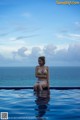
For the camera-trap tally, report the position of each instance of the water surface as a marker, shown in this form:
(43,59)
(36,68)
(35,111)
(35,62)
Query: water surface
(48,105)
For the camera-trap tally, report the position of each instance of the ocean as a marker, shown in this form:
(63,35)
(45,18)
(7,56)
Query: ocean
(25,76)
(51,105)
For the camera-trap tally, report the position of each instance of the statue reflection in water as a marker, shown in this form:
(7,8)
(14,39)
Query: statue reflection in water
(42,100)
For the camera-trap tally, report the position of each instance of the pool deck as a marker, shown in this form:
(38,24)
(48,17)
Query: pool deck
(30,87)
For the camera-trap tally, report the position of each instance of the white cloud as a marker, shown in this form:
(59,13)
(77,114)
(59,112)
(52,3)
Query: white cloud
(34,53)
(74,52)
(8,47)
(21,52)
(66,55)
(17,38)
(75,36)
(22,37)
(69,36)
(50,49)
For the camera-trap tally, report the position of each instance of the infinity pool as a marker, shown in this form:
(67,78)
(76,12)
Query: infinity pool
(24,104)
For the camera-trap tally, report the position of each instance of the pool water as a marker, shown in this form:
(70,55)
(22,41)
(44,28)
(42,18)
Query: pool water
(25,104)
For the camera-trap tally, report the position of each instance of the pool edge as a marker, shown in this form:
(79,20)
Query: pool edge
(30,87)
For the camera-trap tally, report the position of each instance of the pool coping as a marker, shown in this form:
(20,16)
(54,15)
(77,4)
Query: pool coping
(30,87)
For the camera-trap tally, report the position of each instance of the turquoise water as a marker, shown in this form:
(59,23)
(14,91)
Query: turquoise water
(53,105)
(25,76)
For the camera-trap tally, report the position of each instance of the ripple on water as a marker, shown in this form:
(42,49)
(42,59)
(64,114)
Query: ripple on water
(62,104)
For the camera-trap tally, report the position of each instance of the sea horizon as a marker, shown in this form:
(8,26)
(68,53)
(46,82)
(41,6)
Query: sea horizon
(59,76)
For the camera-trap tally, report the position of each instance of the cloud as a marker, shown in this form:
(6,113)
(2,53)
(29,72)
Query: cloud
(69,36)
(73,36)
(69,55)
(73,53)
(72,33)
(24,56)
(22,37)
(22,51)
(35,52)
(54,54)
(49,50)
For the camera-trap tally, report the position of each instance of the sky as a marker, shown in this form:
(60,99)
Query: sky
(33,28)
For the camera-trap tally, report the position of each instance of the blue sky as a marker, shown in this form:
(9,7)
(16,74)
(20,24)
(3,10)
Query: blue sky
(32,28)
